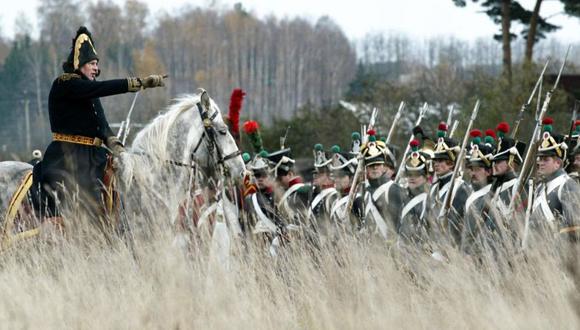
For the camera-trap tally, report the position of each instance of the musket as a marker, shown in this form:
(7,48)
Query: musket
(453,128)
(124,130)
(395,120)
(417,123)
(446,207)
(528,215)
(360,164)
(539,100)
(525,106)
(283,138)
(533,145)
(450,115)
(573,120)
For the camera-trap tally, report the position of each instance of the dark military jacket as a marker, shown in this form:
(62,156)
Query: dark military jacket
(453,226)
(260,209)
(74,106)
(502,191)
(414,226)
(384,200)
(479,226)
(354,221)
(294,202)
(556,201)
(320,207)
(75,109)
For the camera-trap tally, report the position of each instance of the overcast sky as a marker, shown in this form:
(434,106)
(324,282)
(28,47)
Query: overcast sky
(417,18)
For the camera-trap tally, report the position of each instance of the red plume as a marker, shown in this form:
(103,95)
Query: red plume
(371,132)
(475,133)
(577,123)
(235,108)
(490,132)
(442,126)
(547,121)
(251,127)
(503,127)
(415,143)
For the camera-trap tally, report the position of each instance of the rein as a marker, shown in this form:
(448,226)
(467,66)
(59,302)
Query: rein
(210,132)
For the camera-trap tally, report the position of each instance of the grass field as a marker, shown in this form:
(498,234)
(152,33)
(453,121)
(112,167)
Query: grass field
(81,282)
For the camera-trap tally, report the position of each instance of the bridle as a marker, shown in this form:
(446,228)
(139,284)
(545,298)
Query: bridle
(210,134)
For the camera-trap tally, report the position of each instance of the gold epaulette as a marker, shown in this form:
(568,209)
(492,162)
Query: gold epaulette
(68,76)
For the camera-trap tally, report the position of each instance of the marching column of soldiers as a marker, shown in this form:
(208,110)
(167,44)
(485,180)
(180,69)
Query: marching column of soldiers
(483,206)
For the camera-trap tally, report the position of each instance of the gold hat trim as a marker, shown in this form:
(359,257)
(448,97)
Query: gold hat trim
(77,52)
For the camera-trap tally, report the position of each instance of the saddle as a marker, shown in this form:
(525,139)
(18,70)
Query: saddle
(29,202)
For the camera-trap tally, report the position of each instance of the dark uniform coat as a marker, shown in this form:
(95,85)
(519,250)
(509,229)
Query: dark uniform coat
(414,226)
(556,204)
(260,209)
(384,200)
(75,109)
(479,225)
(437,195)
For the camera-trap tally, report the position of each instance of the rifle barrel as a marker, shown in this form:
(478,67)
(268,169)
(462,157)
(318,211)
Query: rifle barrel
(395,120)
(533,145)
(417,123)
(444,211)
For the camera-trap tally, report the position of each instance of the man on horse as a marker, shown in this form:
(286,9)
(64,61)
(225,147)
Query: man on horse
(83,143)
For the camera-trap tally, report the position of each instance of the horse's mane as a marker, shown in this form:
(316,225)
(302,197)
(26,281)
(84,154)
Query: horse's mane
(152,139)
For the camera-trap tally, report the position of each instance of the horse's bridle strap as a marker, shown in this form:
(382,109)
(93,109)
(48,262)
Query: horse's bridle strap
(230,156)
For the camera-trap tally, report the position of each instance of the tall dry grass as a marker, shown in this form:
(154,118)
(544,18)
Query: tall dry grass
(83,281)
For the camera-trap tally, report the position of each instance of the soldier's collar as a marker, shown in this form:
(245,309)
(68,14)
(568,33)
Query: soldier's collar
(557,173)
(375,183)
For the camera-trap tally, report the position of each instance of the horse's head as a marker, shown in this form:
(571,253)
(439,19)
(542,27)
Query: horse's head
(192,130)
(215,146)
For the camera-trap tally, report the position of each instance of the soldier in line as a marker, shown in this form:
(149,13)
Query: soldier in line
(414,227)
(479,225)
(343,168)
(260,210)
(444,160)
(506,158)
(293,202)
(324,192)
(573,167)
(557,195)
(384,199)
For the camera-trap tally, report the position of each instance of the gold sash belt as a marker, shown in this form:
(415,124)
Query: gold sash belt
(78,139)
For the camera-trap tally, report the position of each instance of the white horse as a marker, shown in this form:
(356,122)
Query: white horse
(159,168)
(169,155)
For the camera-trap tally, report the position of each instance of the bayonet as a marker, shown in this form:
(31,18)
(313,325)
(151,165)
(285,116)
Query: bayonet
(533,147)
(124,130)
(422,114)
(395,121)
(283,138)
(450,115)
(446,207)
(453,128)
(525,106)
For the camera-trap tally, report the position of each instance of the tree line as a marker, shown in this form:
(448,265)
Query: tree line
(293,70)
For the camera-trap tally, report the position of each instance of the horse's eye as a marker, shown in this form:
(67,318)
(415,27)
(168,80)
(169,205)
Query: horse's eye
(223,130)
